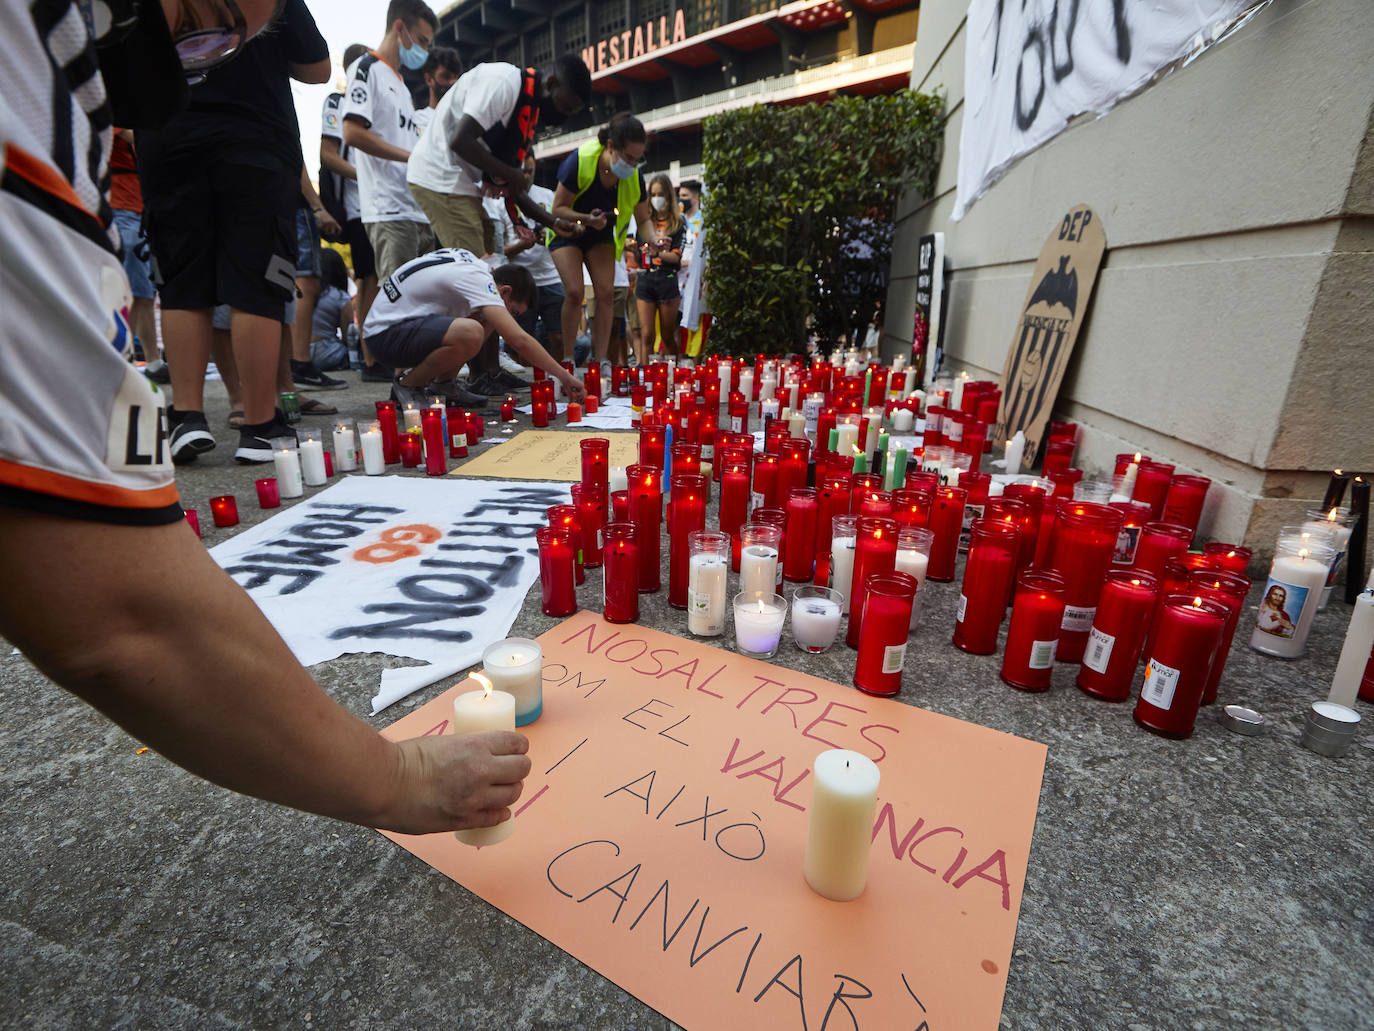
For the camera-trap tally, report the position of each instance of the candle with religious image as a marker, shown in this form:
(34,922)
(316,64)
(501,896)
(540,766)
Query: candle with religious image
(1291,595)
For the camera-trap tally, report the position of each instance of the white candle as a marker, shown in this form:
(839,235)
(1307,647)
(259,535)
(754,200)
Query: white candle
(914,563)
(898,363)
(1013,454)
(1340,530)
(373,462)
(903,420)
(723,374)
(768,408)
(910,384)
(848,438)
(758,623)
(706,595)
(345,450)
(793,393)
(617,478)
(851,367)
(815,622)
(1359,643)
(1289,604)
(958,397)
(796,424)
(746,383)
(844,800)
(288,466)
(758,570)
(412,417)
(875,427)
(516,666)
(473,713)
(842,567)
(312,462)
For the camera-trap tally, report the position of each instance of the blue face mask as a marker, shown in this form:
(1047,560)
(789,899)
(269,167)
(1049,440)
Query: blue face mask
(621,169)
(414,56)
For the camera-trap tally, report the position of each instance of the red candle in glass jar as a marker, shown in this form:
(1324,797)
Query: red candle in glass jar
(224,510)
(457,427)
(391,441)
(268,494)
(1134,516)
(621,581)
(619,380)
(886,618)
(803,512)
(596,459)
(1033,636)
(1058,456)
(592,380)
(1152,484)
(590,501)
(946,522)
(765,481)
(793,455)
(977,485)
(825,422)
(1231,590)
(832,500)
(539,412)
(988,573)
(687,511)
(686,459)
(911,507)
(193,518)
(646,511)
(1158,543)
(875,551)
(477,425)
(921,479)
(1033,497)
(432,431)
(1233,558)
(738,411)
(620,506)
(1064,481)
(558,596)
(566,516)
(411,450)
(934,434)
(734,491)
(1085,540)
(1184,500)
(1124,608)
(652,441)
(508,409)
(1185,646)
(861,484)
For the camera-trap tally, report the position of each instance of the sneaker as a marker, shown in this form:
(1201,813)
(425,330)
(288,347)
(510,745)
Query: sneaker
(190,436)
(508,380)
(510,366)
(456,395)
(307,376)
(158,372)
(486,383)
(255,442)
(377,373)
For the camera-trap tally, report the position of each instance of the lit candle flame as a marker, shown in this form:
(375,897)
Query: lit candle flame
(1136,458)
(487,685)
(1302,552)
(1331,516)
(1197,603)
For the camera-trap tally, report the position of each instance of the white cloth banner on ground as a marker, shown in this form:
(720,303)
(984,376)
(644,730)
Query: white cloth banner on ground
(430,569)
(1030,67)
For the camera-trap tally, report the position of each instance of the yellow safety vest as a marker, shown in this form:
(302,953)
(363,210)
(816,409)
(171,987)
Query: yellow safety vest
(628,193)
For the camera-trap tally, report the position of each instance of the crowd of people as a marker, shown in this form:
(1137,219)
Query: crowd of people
(217,214)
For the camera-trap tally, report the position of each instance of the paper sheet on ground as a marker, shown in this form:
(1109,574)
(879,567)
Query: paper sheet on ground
(430,569)
(661,834)
(614,418)
(547,455)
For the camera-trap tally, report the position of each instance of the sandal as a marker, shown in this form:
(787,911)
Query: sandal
(236,418)
(310,406)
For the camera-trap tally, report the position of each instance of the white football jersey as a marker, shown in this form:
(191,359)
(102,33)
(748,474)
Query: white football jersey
(449,282)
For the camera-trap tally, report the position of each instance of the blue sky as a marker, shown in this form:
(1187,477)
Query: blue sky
(341,22)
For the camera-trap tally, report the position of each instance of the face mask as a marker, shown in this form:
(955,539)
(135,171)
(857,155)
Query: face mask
(621,169)
(549,113)
(687,205)
(659,203)
(414,56)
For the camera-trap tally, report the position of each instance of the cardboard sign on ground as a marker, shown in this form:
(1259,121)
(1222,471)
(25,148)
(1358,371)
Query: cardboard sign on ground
(1048,328)
(662,829)
(547,455)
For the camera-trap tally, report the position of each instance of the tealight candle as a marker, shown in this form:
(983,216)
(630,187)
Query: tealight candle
(758,623)
(346,448)
(288,467)
(516,666)
(473,713)
(224,510)
(844,799)
(815,618)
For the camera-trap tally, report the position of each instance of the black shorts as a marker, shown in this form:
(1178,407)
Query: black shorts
(586,241)
(408,343)
(657,287)
(221,233)
(364,261)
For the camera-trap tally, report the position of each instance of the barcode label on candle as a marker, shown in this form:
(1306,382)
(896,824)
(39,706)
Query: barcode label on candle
(736,424)
(1077,618)
(755,501)
(894,658)
(1042,654)
(1099,651)
(963,607)
(1160,682)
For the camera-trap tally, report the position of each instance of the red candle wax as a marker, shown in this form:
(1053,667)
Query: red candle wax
(620,506)
(590,501)
(592,380)
(652,441)
(411,451)
(1230,589)
(508,410)
(596,461)
(765,493)
(269,496)
(921,479)
(803,512)
(1033,637)
(386,419)
(738,411)
(558,596)
(574,413)
(734,492)
(477,425)
(1233,558)
(687,507)
(875,551)
(432,430)
(1184,500)
(1152,484)
(1085,540)
(911,507)
(646,511)
(946,522)
(224,510)
(1158,543)
(328,464)
(886,617)
(832,499)
(539,412)
(620,557)
(1180,660)
(993,547)
(686,459)
(1058,456)
(566,516)
(793,456)
(1033,497)
(1118,633)
(193,518)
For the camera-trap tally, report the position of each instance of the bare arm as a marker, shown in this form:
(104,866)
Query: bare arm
(358,136)
(331,159)
(562,208)
(497,318)
(225,698)
(315,73)
(466,142)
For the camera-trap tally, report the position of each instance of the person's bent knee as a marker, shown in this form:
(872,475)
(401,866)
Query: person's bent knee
(464,338)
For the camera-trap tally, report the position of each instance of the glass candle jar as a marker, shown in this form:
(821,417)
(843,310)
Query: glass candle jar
(911,506)
(1234,558)
(799,557)
(620,558)
(734,490)
(765,491)
(946,522)
(793,456)
(758,623)
(913,559)
(1184,500)
(774,517)
(652,443)
(832,498)
(1032,638)
(566,515)
(709,566)
(268,495)
(687,515)
(540,411)
(1124,609)
(1185,646)
(921,479)
(1231,590)
(224,510)
(815,618)
(988,573)
(372,449)
(1058,456)
(620,506)
(596,459)
(1033,497)
(646,512)
(844,532)
(977,485)
(685,458)
(1134,516)
(1159,542)
(436,447)
(1290,599)
(557,550)
(412,449)
(391,438)
(758,565)
(590,501)
(876,503)
(875,552)
(1152,485)
(886,617)
(1085,540)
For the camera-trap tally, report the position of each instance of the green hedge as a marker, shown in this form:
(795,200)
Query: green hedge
(789,190)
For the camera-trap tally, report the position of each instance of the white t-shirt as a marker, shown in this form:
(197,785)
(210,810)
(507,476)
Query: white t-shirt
(423,116)
(331,127)
(376,97)
(444,282)
(487,94)
(537,258)
(495,207)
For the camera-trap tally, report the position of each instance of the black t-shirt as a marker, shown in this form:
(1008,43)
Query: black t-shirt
(651,263)
(598,195)
(244,109)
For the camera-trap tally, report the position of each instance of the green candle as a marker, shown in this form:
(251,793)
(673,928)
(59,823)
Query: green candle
(834,440)
(860,462)
(898,468)
(868,385)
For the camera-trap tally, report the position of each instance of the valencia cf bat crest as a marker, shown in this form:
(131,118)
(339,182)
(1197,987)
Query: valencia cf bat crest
(1058,286)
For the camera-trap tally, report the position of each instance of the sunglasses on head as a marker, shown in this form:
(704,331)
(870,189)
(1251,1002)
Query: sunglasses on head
(206,49)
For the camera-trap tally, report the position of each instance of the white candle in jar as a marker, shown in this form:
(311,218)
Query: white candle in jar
(957,400)
(875,427)
(746,383)
(1340,529)
(312,462)
(768,409)
(915,564)
(706,594)
(842,567)
(617,480)
(1359,642)
(288,466)
(758,570)
(844,800)
(796,424)
(903,420)
(412,417)
(1013,454)
(815,622)
(516,666)
(374,464)
(1289,604)
(473,713)
(345,449)
(793,387)
(848,437)
(851,367)
(910,383)
(758,623)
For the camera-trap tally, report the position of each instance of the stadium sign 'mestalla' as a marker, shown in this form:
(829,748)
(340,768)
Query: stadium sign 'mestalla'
(642,39)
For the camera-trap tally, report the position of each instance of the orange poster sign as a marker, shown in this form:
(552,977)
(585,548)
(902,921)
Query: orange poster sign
(661,834)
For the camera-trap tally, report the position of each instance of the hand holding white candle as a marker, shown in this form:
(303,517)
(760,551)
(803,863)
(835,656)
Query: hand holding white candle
(474,712)
(844,799)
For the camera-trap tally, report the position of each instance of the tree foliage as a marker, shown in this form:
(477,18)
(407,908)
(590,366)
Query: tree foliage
(799,213)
